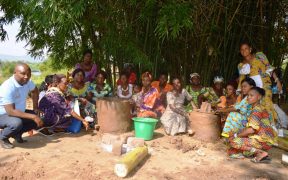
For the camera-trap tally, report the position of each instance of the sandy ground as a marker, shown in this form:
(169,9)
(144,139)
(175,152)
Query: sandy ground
(80,156)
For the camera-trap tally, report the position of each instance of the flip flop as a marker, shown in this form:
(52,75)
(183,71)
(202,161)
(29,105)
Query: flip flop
(265,160)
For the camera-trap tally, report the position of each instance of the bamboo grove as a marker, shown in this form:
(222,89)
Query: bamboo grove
(175,36)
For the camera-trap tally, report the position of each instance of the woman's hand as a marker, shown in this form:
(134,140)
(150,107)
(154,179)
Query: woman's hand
(86,125)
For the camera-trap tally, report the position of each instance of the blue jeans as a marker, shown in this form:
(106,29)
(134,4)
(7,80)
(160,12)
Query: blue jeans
(14,126)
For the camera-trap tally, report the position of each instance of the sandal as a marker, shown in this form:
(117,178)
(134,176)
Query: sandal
(265,160)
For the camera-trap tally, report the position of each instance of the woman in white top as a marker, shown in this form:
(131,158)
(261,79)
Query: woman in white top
(125,90)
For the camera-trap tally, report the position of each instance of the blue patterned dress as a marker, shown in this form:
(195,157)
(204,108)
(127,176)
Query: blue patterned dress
(237,120)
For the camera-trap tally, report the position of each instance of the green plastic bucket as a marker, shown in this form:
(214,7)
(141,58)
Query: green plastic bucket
(144,127)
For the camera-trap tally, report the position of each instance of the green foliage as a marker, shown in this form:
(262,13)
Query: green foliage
(6,70)
(46,68)
(174,35)
(173,17)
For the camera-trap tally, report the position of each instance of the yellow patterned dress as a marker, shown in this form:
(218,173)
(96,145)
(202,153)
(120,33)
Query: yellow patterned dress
(258,67)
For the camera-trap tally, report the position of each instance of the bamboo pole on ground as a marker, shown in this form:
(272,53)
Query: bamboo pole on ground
(130,161)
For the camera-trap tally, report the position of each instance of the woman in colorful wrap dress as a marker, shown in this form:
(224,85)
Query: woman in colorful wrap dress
(78,90)
(148,98)
(57,111)
(100,89)
(258,135)
(257,67)
(237,117)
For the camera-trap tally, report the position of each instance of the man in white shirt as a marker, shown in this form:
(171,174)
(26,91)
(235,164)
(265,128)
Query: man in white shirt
(14,120)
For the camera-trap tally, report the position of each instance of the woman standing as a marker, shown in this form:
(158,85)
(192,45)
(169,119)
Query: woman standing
(237,117)
(257,66)
(88,66)
(175,120)
(258,136)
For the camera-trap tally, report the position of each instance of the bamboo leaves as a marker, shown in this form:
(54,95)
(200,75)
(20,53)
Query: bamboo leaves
(173,17)
(177,36)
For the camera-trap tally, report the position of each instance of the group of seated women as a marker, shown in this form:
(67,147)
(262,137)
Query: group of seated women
(247,119)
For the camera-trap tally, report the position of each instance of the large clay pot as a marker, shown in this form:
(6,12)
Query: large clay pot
(207,126)
(113,115)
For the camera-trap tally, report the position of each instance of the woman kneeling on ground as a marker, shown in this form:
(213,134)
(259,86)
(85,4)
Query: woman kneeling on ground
(175,120)
(57,111)
(258,136)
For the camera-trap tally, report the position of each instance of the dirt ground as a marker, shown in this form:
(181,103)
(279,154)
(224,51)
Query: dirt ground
(80,156)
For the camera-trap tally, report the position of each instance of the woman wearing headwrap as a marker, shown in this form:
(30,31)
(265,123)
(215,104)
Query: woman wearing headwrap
(148,97)
(194,89)
(212,95)
(57,112)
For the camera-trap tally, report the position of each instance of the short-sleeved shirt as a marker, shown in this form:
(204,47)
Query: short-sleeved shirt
(11,92)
